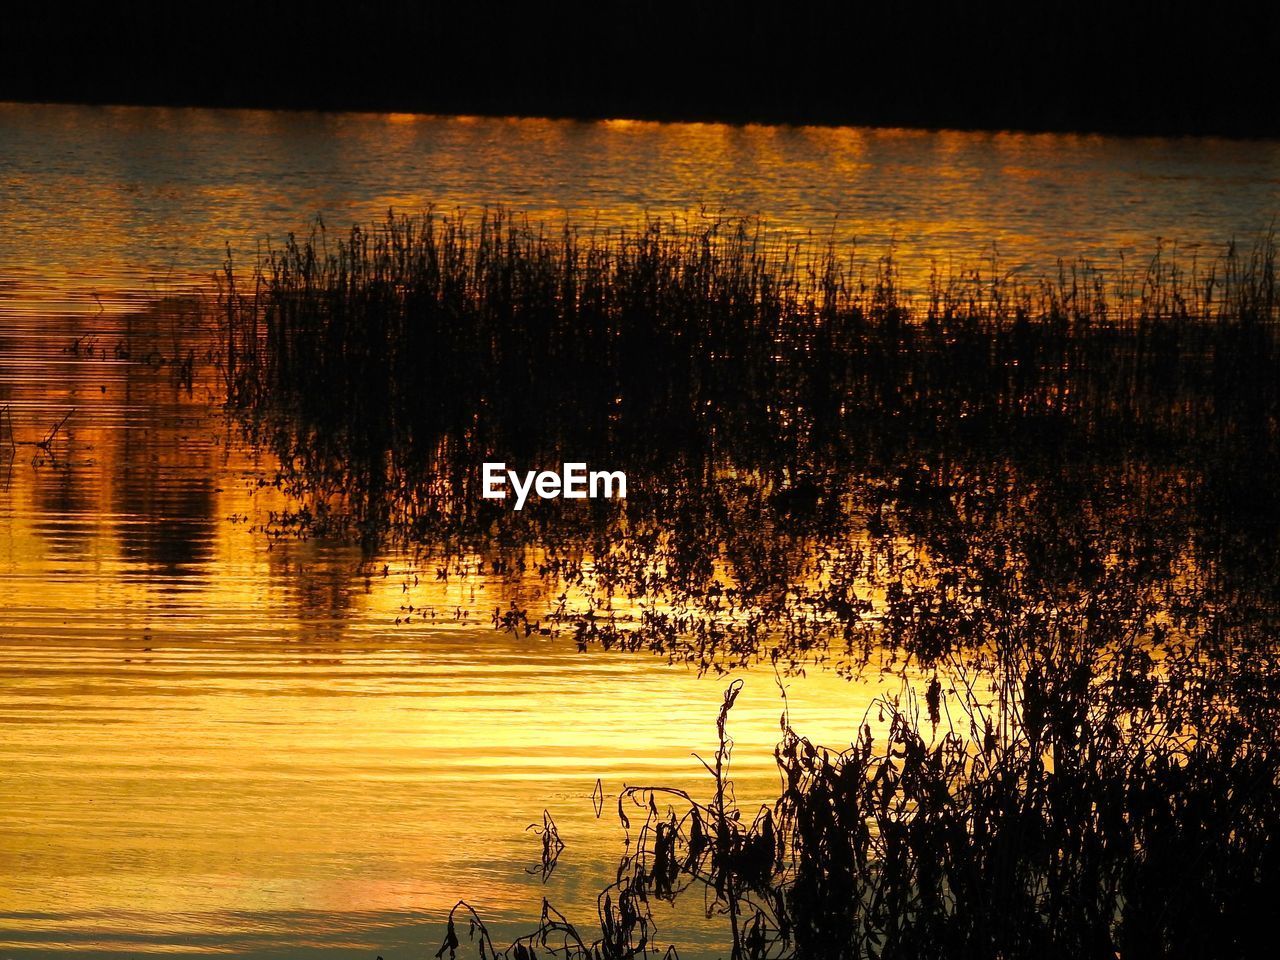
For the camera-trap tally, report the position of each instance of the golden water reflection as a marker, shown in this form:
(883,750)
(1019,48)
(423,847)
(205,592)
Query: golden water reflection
(214,742)
(149,198)
(217,742)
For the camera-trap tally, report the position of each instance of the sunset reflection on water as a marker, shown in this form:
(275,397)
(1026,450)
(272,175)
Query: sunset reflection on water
(217,740)
(149,198)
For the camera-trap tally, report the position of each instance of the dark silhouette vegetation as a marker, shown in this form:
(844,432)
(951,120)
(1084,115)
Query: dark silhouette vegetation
(1062,815)
(1049,504)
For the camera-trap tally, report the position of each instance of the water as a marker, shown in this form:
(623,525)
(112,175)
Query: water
(216,742)
(100,199)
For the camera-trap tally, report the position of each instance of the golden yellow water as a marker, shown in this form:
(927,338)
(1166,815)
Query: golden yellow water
(213,742)
(119,202)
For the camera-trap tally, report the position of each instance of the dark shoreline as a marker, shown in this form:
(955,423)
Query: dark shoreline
(674,118)
(1055,67)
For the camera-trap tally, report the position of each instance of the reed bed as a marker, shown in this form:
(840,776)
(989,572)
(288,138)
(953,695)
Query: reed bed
(597,330)
(1074,814)
(1055,498)
(780,406)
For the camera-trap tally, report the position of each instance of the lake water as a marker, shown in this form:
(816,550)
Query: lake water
(217,742)
(100,199)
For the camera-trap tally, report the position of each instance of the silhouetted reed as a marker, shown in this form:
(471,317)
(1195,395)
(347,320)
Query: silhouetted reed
(1055,499)
(779,406)
(1077,807)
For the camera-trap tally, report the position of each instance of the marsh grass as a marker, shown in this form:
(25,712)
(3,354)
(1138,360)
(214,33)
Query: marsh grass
(794,424)
(419,323)
(1082,807)
(1055,498)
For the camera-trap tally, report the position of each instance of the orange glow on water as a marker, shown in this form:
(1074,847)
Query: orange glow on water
(211,737)
(214,739)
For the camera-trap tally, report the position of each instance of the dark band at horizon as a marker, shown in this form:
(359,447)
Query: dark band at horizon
(1053,65)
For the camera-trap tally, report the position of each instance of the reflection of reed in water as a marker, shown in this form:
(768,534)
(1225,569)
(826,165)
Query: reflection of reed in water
(1057,497)
(762,396)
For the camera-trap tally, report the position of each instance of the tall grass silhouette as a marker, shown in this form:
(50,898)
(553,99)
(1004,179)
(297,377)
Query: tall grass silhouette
(1054,499)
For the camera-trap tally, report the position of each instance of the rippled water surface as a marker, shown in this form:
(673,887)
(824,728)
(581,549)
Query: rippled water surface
(96,199)
(217,742)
